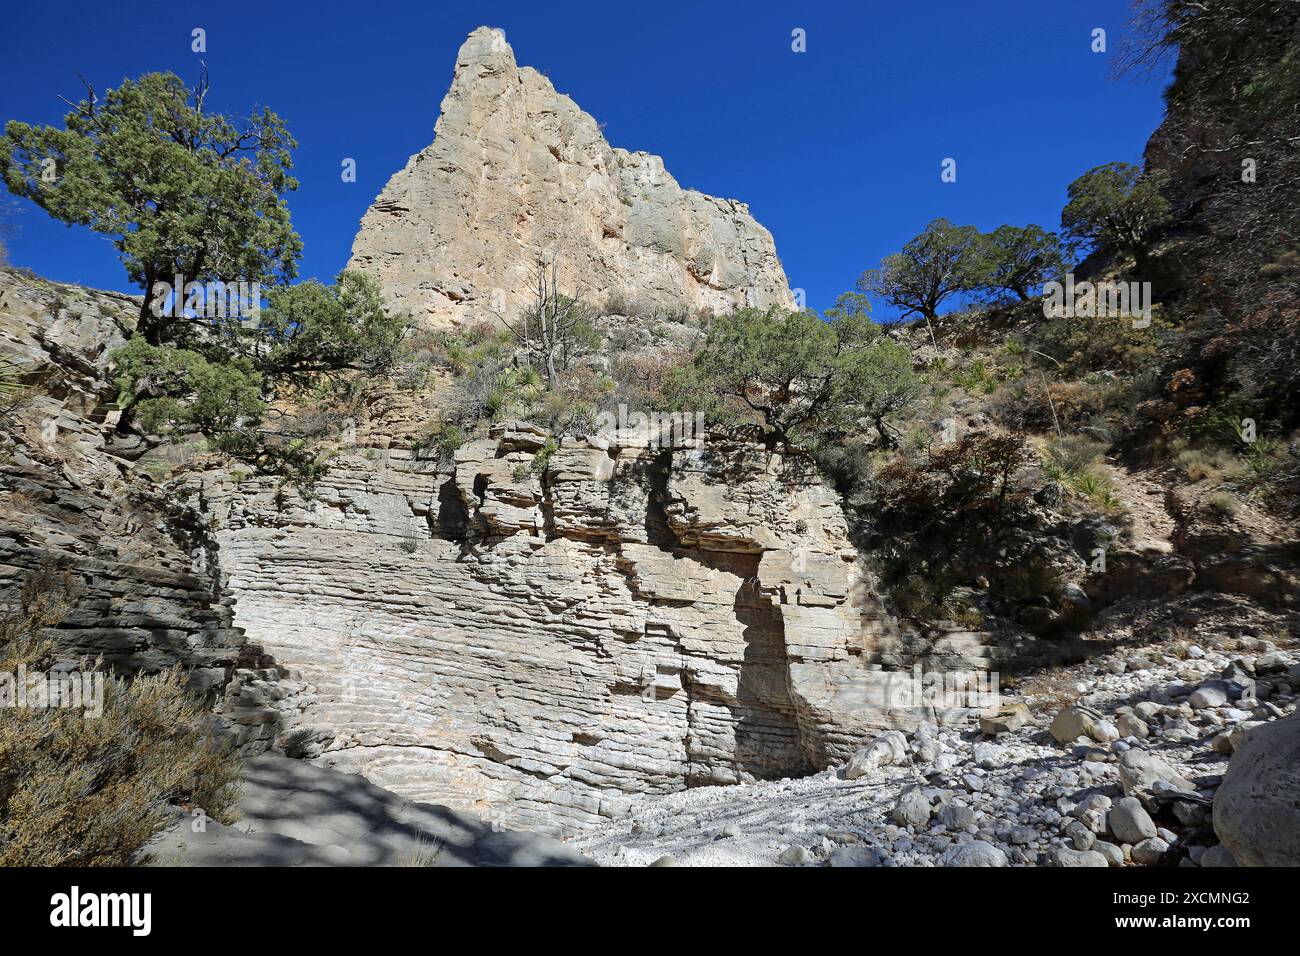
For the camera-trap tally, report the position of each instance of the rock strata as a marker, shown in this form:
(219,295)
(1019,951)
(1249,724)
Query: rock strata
(141,573)
(549,645)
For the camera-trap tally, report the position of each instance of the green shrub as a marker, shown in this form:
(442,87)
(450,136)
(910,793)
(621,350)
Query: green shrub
(443,440)
(540,460)
(976,377)
(1200,463)
(1220,423)
(1074,462)
(466,348)
(933,595)
(1269,472)
(929,517)
(1222,503)
(1083,344)
(1074,453)
(797,376)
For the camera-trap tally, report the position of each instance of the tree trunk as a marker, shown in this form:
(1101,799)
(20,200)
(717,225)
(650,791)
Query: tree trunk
(146,323)
(930,329)
(886,439)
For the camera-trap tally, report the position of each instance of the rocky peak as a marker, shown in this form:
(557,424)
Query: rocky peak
(518,171)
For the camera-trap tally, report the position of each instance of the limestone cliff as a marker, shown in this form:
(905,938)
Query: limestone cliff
(517,170)
(633,620)
(645,613)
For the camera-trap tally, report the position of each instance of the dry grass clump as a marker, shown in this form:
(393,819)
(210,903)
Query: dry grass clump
(1203,464)
(1049,690)
(1075,461)
(84,790)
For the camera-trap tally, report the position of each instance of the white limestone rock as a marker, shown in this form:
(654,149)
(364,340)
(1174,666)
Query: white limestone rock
(517,170)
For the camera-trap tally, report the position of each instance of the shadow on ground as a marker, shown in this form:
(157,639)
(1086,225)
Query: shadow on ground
(292,813)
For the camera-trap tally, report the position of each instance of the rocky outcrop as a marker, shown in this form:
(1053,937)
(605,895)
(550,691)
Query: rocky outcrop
(517,171)
(141,573)
(544,643)
(539,631)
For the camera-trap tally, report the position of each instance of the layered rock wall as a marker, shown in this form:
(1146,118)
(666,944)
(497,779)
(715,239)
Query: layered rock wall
(545,643)
(136,567)
(538,631)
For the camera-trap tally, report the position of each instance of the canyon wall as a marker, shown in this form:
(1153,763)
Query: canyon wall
(542,647)
(536,638)
(133,562)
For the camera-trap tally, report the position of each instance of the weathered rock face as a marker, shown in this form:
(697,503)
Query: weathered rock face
(144,586)
(538,633)
(516,171)
(544,647)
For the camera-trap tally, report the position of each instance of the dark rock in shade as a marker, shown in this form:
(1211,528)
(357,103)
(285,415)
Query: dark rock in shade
(857,856)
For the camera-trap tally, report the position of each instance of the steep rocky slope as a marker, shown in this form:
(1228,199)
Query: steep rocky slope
(583,645)
(146,588)
(516,171)
(646,613)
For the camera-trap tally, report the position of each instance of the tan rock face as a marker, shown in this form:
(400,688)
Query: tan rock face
(540,631)
(544,645)
(517,170)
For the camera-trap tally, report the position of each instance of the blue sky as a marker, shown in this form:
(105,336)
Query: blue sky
(837,150)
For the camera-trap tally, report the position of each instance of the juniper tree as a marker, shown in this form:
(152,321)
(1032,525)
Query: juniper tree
(184,191)
(803,378)
(190,195)
(1019,259)
(941,262)
(311,339)
(1114,207)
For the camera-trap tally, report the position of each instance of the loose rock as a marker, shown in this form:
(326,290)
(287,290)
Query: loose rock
(1129,821)
(976,853)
